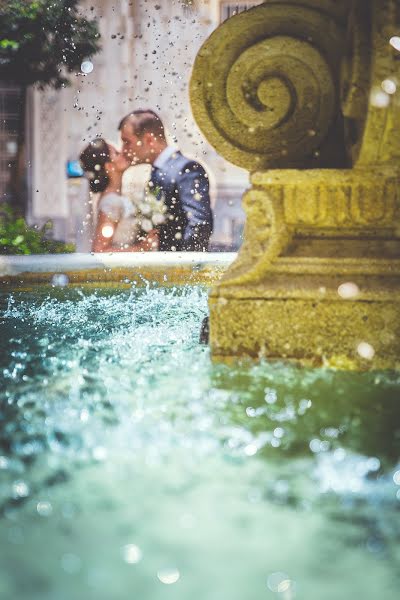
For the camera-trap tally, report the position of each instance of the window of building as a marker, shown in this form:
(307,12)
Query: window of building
(9,122)
(229,9)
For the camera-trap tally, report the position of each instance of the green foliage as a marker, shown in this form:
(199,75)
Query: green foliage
(41,42)
(16,237)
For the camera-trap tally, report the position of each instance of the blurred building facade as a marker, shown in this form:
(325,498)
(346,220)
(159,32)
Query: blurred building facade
(148,48)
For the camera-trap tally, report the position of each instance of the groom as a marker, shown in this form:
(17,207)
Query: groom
(183,182)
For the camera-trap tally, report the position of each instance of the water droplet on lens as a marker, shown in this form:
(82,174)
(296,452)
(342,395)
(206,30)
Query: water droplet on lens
(59,280)
(250,450)
(348,290)
(132,554)
(279,582)
(44,508)
(365,350)
(20,489)
(168,576)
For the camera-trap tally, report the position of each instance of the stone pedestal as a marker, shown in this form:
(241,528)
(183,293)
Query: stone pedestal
(304,95)
(318,276)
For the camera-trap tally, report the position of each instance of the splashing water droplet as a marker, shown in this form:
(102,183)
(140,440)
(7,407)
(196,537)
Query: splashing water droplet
(395,42)
(87,67)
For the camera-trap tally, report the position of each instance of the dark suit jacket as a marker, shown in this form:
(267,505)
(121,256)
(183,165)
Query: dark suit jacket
(184,188)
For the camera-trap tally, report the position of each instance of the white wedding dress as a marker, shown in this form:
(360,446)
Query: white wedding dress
(136,211)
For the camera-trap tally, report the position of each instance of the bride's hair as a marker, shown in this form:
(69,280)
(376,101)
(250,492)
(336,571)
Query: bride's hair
(93,160)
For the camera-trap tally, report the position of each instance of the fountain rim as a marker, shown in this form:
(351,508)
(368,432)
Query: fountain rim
(120,268)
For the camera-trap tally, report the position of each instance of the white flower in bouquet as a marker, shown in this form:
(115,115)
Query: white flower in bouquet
(153,205)
(147,225)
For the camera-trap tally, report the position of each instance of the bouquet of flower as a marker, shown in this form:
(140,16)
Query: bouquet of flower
(150,210)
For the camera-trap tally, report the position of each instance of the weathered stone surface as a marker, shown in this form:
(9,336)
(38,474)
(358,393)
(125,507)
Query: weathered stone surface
(321,332)
(308,234)
(372,118)
(353,213)
(318,276)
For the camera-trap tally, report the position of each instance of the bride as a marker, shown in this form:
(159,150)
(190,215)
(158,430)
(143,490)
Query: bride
(122,226)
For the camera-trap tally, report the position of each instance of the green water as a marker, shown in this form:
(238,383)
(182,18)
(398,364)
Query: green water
(131,467)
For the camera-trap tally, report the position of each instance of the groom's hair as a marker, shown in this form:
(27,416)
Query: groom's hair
(144,121)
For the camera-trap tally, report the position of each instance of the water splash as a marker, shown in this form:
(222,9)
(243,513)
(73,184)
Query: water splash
(113,382)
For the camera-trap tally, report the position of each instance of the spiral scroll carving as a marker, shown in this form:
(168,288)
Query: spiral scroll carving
(264,88)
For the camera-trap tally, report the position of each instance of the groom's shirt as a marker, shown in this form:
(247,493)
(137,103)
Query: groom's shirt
(184,187)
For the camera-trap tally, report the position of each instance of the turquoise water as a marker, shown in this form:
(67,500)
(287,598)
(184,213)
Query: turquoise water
(131,466)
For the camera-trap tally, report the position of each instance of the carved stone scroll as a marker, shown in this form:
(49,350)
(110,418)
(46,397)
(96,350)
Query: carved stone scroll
(265,85)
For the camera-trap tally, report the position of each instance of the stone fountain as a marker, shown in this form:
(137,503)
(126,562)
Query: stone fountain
(303,95)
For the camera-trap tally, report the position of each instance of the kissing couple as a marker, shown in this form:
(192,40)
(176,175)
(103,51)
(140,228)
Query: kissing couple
(174,213)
